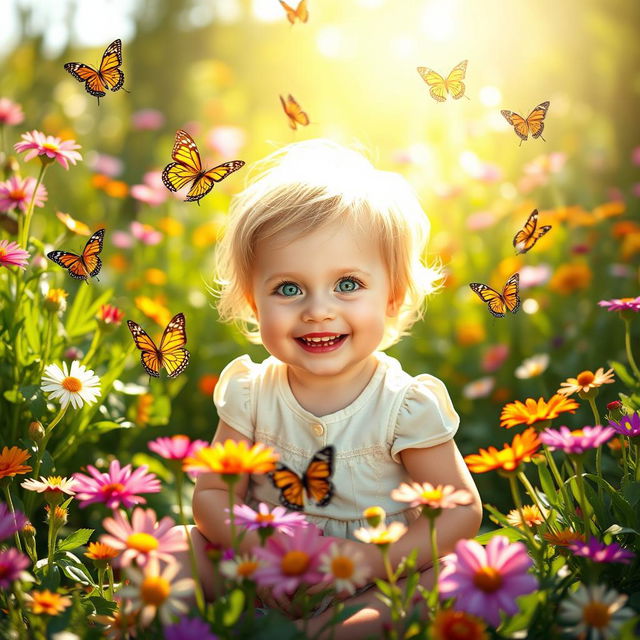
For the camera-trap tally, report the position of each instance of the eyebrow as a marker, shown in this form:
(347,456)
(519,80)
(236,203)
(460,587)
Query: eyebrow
(336,272)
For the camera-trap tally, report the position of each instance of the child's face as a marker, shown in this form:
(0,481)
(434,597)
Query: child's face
(330,283)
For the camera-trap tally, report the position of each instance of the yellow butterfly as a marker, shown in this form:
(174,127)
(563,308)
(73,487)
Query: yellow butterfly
(299,13)
(533,124)
(439,86)
(497,303)
(187,167)
(529,234)
(294,112)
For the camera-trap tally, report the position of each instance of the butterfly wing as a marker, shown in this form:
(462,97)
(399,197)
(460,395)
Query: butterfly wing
(82,266)
(302,12)
(529,234)
(495,302)
(510,293)
(290,485)
(291,12)
(518,123)
(294,112)
(454,83)
(535,120)
(437,84)
(186,167)
(90,258)
(172,354)
(204,183)
(84,73)
(70,261)
(112,76)
(317,477)
(149,356)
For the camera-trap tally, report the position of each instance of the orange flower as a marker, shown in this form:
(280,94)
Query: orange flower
(563,538)
(624,227)
(118,263)
(154,309)
(75,226)
(100,551)
(571,277)
(143,409)
(531,516)
(609,209)
(586,381)
(630,245)
(524,445)
(47,602)
(531,411)
(469,333)
(232,458)
(155,276)
(207,234)
(207,383)
(116,189)
(11,462)
(457,625)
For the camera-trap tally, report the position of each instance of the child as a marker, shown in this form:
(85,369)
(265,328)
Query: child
(321,263)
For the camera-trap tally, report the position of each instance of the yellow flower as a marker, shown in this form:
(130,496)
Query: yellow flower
(155,276)
(116,189)
(11,462)
(531,411)
(154,309)
(586,381)
(171,226)
(381,535)
(75,226)
(56,300)
(609,210)
(232,458)
(207,234)
(571,277)
(47,602)
(531,515)
(470,333)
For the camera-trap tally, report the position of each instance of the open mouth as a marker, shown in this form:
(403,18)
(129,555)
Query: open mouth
(324,343)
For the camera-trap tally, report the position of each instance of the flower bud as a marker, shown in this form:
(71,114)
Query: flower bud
(55,300)
(11,166)
(36,431)
(374,516)
(60,515)
(109,317)
(615,411)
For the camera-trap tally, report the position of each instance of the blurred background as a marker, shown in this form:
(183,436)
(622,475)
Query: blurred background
(217,67)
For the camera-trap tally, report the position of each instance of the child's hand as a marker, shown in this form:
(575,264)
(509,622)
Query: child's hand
(283,603)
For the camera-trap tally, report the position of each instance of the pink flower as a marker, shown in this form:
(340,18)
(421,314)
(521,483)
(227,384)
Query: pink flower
(621,304)
(11,255)
(145,233)
(534,275)
(577,441)
(147,120)
(226,140)
(289,561)
(479,388)
(16,193)
(10,112)
(121,240)
(12,563)
(116,488)
(601,552)
(480,220)
(10,522)
(487,580)
(143,538)
(440,497)
(635,156)
(494,357)
(176,447)
(35,143)
(105,164)
(152,191)
(278,519)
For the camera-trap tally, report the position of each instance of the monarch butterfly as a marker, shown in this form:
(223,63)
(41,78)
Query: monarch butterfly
(299,13)
(533,124)
(294,112)
(188,168)
(497,303)
(529,234)
(438,86)
(107,76)
(171,354)
(83,266)
(315,481)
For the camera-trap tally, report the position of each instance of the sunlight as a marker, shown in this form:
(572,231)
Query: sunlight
(438,20)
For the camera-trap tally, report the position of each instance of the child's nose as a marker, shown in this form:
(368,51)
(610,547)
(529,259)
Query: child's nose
(318,309)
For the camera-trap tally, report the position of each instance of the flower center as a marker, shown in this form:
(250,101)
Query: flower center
(342,567)
(246,569)
(488,579)
(585,378)
(72,384)
(265,517)
(295,563)
(431,496)
(114,487)
(17,195)
(577,433)
(50,146)
(143,542)
(462,630)
(155,590)
(596,614)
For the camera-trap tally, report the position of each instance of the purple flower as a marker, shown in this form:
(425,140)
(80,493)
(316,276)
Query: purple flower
(577,441)
(621,304)
(189,629)
(9,522)
(278,519)
(601,552)
(12,563)
(628,425)
(487,580)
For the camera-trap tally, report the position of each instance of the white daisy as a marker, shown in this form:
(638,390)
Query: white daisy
(77,386)
(533,366)
(51,484)
(594,612)
(382,534)
(239,568)
(345,569)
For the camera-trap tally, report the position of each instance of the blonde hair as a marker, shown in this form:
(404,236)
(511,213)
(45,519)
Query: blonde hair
(309,184)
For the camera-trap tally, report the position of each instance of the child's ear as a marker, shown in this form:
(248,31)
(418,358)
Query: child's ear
(252,303)
(393,306)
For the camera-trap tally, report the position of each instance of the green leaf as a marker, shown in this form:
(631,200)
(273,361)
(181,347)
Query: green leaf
(384,587)
(109,425)
(155,466)
(527,606)
(102,606)
(616,529)
(234,604)
(510,533)
(631,493)
(625,377)
(75,540)
(73,568)
(546,482)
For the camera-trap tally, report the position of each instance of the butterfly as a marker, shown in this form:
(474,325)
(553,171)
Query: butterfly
(315,481)
(529,234)
(107,76)
(294,112)
(188,168)
(299,13)
(533,125)
(438,86)
(171,354)
(87,264)
(497,303)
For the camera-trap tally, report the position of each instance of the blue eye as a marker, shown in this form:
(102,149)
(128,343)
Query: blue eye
(288,289)
(348,284)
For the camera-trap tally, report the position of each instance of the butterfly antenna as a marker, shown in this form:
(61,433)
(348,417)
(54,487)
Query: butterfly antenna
(542,138)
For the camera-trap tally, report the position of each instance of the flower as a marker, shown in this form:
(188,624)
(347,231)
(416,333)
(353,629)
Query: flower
(100,552)
(152,191)
(534,275)
(240,567)
(145,233)
(10,112)
(601,552)
(277,520)
(487,580)
(586,381)
(531,411)
(55,301)
(176,447)
(533,366)
(621,304)
(436,497)
(381,535)
(121,623)
(570,277)
(509,458)
(479,388)
(207,384)
(226,140)
(12,563)
(155,592)
(344,568)
(578,440)
(16,193)
(449,624)
(147,119)
(116,488)
(628,425)
(494,357)
(46,602)
(11,462)
(75,226)
(374,515)
(109,315)
(143,538)
(562,538)
(232,458)
(189,629)
(11,255)
(53,149)
(288,561)
(531,516)
(10,522)
(154,310)
(76,385)
(53,487)
(596,609)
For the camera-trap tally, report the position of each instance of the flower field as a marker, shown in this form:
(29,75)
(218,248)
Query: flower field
(98,457)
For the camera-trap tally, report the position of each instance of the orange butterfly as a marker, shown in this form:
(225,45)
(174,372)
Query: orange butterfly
(534,123)
(83,266)
(439,86)
(171,353)
(529,234)
(107,76)
(497,303)
(300,13)
(294,112)
(315,481)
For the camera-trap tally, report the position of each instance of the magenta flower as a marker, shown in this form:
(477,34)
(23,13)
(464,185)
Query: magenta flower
(601,552)
(189,629)
(143,538)
(121,240)
(226,140)
(145,233)
(628,425)
(152,190)
(289,561)
(116,488)
(577,441)
(278,519)
(12,563)
(11,255)
(35,143)
(621,304)
(487,580)
(147,120)
(176,447)
(10,112)
(10,522)
(16,193)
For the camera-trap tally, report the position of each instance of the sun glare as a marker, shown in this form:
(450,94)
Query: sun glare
(438,20)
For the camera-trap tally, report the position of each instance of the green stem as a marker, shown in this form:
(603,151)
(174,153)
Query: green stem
(7,495)
(436,561)
(50,539)
(92,348)
(637,462)
(558,478)
(101,571)
(533,495)
(24,230)
(627,343)
(623,452)
(395,604)
(110,575)
(582,499)
(596,417)
(47,344)
(515,493)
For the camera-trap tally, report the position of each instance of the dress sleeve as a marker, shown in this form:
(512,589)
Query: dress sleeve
(426,416)
(232,395)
